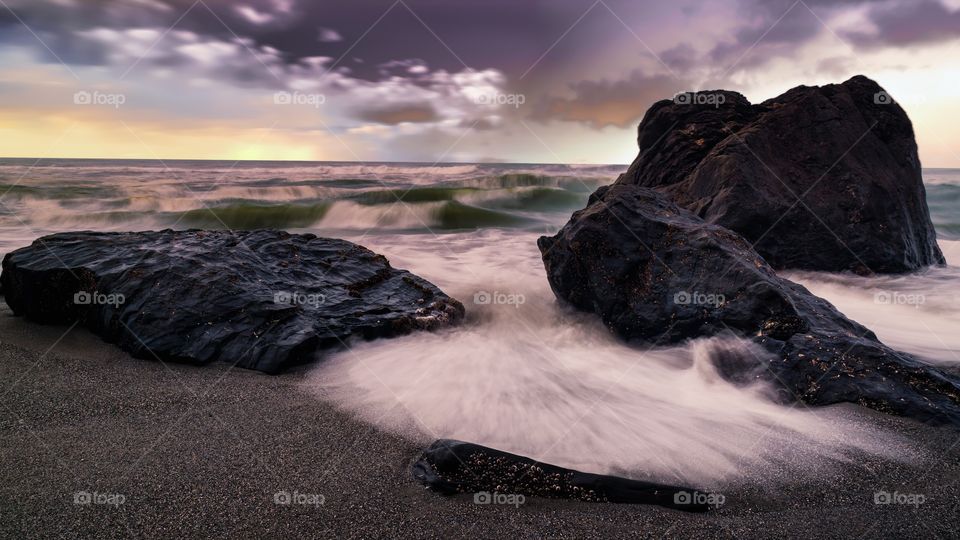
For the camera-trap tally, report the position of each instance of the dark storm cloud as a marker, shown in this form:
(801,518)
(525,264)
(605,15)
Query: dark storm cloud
(415,113)
(909,24)
(771,29)
(766,30)
(611,103)
(64,27)
(837,66)
(777,27)
(680,58)
(503,34)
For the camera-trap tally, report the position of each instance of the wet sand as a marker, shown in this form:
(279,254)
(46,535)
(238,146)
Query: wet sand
(202,452)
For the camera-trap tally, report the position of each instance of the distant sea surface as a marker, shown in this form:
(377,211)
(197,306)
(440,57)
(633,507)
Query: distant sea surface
(518,375)
(333,198)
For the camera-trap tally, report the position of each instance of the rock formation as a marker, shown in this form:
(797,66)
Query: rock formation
(819,178)
(451,467)
(262,300)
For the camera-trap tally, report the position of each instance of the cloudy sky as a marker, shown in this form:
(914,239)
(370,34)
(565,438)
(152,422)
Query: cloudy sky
(439,80)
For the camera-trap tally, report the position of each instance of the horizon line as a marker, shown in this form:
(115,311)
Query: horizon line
(161,160)
(352,161)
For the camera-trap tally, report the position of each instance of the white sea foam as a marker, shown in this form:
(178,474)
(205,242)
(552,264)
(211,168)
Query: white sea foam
(917,313)
(536,380)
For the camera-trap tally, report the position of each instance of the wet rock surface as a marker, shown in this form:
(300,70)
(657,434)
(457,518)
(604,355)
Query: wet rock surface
(263,300)
(657,273)
(846,151)
(453,467)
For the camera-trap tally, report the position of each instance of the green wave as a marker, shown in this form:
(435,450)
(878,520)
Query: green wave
(521,180)
(244,216)
(353,183)
(118,216)
(455,215)
(14,190)
(541,199)
(950,231)
(56,192)
(582,185)
(538,198)
(944,203)
(415,195)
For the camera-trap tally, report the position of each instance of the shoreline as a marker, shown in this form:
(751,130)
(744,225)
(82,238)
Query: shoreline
(202,451)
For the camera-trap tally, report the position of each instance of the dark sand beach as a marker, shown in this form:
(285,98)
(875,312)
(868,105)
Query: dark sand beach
(201,452)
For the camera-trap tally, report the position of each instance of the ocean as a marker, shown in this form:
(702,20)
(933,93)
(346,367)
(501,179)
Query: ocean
(332,198)
(523,374)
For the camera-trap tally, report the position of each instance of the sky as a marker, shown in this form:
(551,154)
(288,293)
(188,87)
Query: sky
(531,81)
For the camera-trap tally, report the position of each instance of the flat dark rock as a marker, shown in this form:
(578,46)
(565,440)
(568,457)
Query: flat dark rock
(820,178)
(657,273)
(262,300)
(452,467)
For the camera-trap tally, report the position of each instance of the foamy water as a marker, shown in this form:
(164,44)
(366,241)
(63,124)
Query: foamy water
(917,313)
(535,379)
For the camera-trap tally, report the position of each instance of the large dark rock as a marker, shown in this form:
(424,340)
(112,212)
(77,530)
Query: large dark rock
(657,273)
(452,467)
(846,151)
(263,300)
